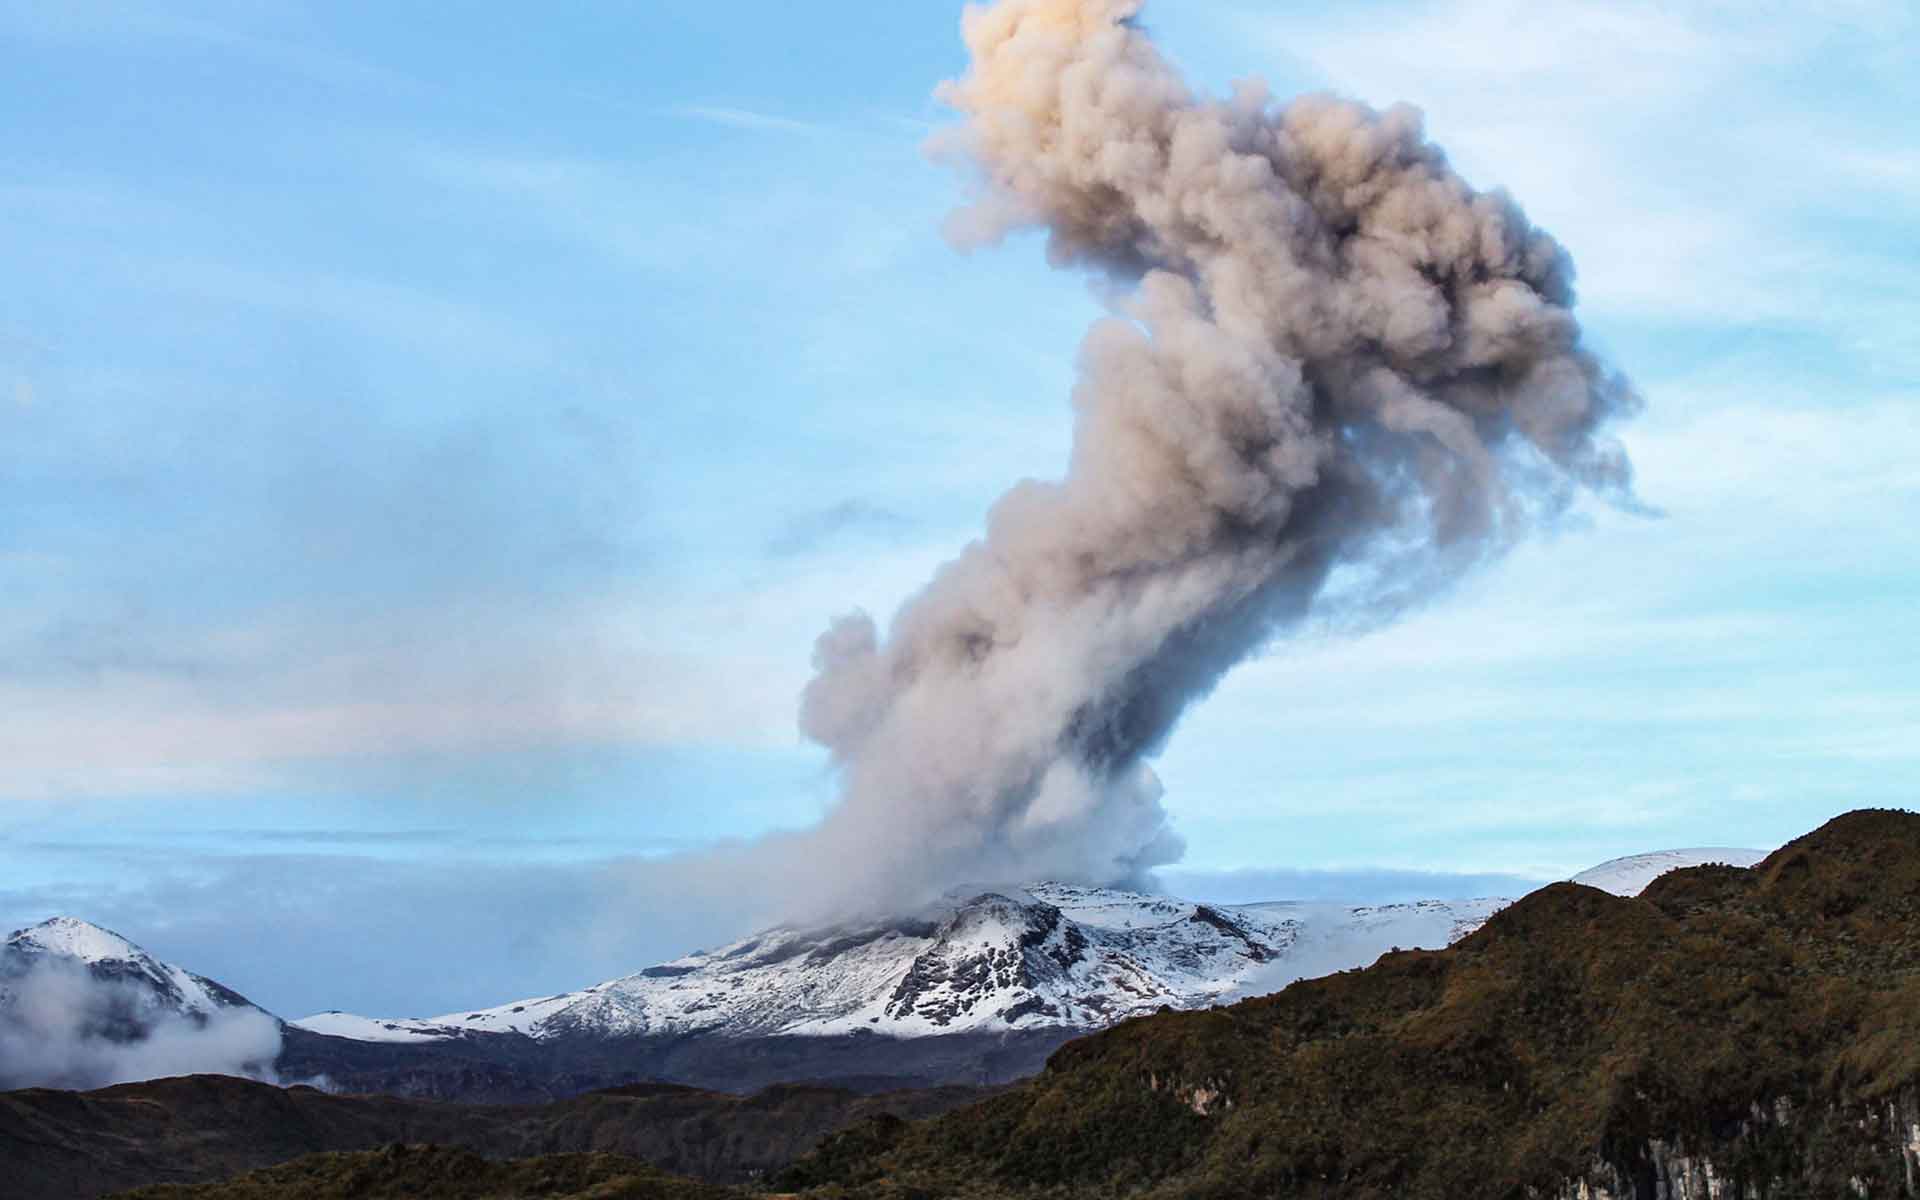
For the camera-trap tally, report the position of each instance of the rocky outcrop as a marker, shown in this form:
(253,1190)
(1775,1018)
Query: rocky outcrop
(1202,1098)
(1870,1151)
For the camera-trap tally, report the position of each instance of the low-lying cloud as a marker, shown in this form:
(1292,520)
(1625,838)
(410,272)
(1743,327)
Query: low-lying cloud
(62,1027)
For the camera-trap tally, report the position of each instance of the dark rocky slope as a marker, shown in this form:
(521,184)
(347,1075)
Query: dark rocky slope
(511,1069)
(1735,1033)
(439,1173)
(64,1145)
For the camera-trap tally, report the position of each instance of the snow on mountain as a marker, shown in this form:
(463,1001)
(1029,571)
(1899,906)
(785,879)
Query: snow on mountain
(368,1029)
(108,957)
(82,1007)
(1630,876)
(1051,956)
(75,939)
(1048,956)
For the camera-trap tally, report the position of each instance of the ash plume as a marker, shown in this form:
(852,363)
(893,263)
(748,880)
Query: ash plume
(1335,377)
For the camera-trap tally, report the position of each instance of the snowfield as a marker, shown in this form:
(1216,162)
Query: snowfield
(107,955)
(1630,876)
(1048,956)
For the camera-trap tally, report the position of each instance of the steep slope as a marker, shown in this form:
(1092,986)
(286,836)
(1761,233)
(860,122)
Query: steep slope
(152,986)
(1733,1032)
(82,1007)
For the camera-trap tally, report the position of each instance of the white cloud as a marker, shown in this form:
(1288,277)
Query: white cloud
(268,33)
(667,667)
(372,307)
(58,1026)
(1663,143)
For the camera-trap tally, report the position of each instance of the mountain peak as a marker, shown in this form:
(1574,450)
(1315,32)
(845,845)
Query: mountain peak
(989,960)
(109,957)
(73,938)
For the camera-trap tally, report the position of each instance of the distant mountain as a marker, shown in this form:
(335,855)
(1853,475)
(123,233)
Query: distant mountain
(1048,957)
(82,1007)
(978,991)
(150,987)
(1631,875)
(1739,1033)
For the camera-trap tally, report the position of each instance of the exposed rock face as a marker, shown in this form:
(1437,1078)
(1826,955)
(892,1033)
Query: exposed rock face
(1879,1156)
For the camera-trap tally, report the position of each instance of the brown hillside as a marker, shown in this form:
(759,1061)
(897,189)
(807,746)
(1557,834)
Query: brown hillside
(65,1145)
(1763,1022)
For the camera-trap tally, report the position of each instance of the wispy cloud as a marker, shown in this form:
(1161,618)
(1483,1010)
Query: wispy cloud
(747,119)
(163,736)
(301,932)
(292,47)
(53,1014)
(1353,885)
(854,518)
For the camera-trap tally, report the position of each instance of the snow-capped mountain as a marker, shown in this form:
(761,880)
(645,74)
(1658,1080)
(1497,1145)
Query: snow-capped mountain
(1630,876)
(1051,956)
(82,1007)
(979,990)
(1048,957)
(150,987)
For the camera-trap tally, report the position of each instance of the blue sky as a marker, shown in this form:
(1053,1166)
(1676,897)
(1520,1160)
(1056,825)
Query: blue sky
(428,450)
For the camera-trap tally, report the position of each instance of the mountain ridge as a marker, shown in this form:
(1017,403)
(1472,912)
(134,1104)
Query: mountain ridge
(110,958)
(978,992)
(1049,956)
(1741,1033)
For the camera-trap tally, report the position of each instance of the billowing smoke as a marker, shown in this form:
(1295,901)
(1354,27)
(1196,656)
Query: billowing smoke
(60,1026)
(1335,377)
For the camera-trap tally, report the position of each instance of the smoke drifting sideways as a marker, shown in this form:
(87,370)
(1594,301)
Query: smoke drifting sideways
(1335,378)
(61,1027)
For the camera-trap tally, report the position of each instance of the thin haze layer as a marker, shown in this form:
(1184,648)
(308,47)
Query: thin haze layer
(1335,378)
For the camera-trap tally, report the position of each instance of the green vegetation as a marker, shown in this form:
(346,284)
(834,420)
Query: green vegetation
(1767,1020)
(440,1173)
